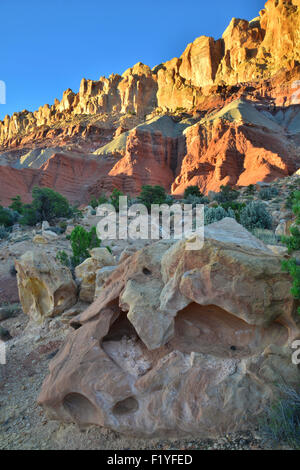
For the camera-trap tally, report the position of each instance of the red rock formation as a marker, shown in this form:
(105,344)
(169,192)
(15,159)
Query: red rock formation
(69,175)
(258,61)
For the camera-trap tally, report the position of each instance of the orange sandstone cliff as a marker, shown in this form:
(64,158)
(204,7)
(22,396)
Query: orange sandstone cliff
(227,111)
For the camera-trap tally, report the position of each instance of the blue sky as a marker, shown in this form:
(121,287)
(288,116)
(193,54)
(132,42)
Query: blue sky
(48,46)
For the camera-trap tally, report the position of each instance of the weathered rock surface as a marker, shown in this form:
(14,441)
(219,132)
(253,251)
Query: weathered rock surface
(46,288)
(86,272)
(180,342)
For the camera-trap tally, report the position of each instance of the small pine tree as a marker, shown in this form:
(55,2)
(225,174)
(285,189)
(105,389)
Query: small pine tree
(192,191)
(17,204)
(81,242)
(227,194)
(152,195)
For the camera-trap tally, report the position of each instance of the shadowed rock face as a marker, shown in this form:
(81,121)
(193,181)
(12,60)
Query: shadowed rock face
(179,342)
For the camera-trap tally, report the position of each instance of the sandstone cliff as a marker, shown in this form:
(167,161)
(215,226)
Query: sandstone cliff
(257,62)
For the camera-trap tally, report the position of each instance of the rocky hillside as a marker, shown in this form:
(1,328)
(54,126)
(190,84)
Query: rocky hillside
(225,112)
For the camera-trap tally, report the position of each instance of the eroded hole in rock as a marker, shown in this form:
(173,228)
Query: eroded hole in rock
(125,348)
(146,271)
(76,325)
(121,327)
(129,405)
(212,330)
(80,408)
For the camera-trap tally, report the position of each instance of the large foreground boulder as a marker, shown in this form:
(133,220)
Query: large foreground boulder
(180,342)
(46,288)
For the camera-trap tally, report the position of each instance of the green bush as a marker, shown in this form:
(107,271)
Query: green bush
(250,190)
(114,198)
(255,215)
(8,217)
(291,199)
(266,194)
(93,203)
(152,195)
(81,242)
(214,214)
(237,208)
(194,200)
(29,215)
(17,204)
(46,205)
(227,194)
(63,258)
(192,191)
(50,204)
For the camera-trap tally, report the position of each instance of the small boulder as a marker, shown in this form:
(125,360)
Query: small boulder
(49,235)
(39,240)
(45,225)
(86,272)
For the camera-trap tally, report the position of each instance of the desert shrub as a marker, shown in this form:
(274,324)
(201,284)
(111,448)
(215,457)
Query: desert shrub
(114,198)
(50,204)
(266,194)
(255,215)
(93,203)
(81,242)
(281,422)
(194,200)
(266,236)
(293,242)
(17,204)
(46,205)
(227,194)
(152,195)
(102,199)
(192,191)
(8,217)
(250,190)
(9,310)
(214,214)
(237,208)
(3,232)
(290,200)
(29,215)
(63,258)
